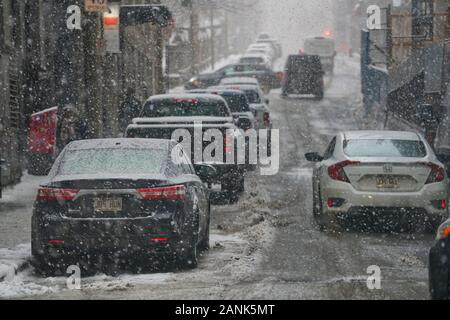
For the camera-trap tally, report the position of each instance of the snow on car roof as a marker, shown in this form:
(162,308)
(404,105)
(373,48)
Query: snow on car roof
(119,143)
(239,80)
(254,55)
(378,135)
(186,96)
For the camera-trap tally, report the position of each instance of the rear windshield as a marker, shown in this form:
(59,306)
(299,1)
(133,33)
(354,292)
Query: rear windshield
(113,161)
(237,103)
(252,96)
(252,60)
(185,108)
(304,64)
(385,148)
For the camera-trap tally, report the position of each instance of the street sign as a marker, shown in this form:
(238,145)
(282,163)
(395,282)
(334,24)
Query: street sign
(96,5)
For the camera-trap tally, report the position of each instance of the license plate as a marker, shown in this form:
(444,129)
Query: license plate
(387,182)
(108,204)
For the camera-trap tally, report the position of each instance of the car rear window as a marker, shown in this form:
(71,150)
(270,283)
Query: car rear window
(252,60)
(252,96)
(385,148)
(112,161)
(237,103)
(185,108)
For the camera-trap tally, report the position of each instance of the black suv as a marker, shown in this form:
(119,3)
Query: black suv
(303,75)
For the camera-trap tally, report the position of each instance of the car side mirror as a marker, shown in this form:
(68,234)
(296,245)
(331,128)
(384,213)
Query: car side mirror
(313,157)
(267,101)
(206,173)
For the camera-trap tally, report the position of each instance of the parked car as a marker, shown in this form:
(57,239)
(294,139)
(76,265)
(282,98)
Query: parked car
(278,50)
(238,104)
(121,199)
(377,175)
(439,264)
(258,59)
(268,48)
(267,79)
(232,80)
(258,104)
(265,75)
(303,75)
(42,141)
(165,114)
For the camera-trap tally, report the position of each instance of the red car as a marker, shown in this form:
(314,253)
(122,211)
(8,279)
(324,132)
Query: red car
(42,141)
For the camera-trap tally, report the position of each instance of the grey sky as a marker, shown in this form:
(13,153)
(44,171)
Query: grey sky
(292,20)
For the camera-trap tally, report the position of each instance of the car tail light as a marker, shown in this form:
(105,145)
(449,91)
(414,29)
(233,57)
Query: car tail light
(160,239)
(56,241)
(181,100)
(56,194)
(164,193)
(336,172)
(335,202)
(266,119)
(228,143)
(437,173)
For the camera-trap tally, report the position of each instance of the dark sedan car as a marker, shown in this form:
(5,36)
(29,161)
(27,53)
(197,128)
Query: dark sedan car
(267,78)
(122,199)
(439,265)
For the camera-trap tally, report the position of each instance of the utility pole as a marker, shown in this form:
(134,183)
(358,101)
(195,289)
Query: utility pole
(93,108)
(213,49)
(159,58)
(193,37)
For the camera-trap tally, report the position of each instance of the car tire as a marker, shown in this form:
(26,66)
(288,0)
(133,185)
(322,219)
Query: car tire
(205,243)
(44,267)
(323,222)
(189,256)
(439,283)
(231,190)
(317,211)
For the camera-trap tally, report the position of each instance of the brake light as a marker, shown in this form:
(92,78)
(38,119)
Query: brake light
(267,119)
(437,173)
(193,101)
(159,239)
(55,241)
(228,143)
(164,193)
(56,194)
(336,172)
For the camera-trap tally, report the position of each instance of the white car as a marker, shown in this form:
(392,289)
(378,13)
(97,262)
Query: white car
(367,175)
(239,81)
(258,58)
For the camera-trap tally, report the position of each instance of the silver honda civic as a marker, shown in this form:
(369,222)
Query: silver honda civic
(387,175)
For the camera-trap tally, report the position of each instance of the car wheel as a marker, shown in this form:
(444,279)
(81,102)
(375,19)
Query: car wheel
(231,190)
(317,210)
(439,277)
(189,256)
(205,244)
(44,267)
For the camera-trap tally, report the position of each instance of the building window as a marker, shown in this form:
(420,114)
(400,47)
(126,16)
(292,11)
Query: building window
(422,21)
